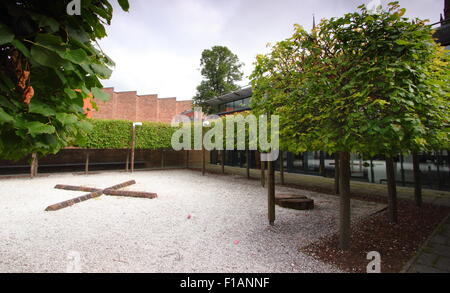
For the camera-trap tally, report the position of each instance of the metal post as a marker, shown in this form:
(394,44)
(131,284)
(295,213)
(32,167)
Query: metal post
(271,192)
(248,163)
(133,142)
(282,167)
(223,161)
(263,174)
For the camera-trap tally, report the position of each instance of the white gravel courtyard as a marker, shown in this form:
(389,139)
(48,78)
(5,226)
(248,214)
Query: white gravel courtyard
(227,232)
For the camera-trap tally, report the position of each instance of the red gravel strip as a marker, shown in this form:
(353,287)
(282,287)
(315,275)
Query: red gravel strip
(396,243)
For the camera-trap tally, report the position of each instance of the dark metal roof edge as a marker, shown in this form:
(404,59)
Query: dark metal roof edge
(230,97)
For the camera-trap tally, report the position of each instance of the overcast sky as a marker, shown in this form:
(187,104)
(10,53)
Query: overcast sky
(157,45)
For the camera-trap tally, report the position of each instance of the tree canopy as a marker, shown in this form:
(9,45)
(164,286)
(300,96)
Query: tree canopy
(50,61)
(365,83)
(221,70)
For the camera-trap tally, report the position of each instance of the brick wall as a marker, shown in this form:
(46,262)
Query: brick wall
(130,106)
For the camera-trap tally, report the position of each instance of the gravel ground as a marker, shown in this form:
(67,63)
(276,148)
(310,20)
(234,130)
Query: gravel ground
(227,231)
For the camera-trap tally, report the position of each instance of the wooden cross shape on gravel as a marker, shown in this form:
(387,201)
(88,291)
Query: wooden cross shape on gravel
(95,192)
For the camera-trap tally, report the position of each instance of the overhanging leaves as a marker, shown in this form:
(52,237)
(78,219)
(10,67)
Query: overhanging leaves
(46,51)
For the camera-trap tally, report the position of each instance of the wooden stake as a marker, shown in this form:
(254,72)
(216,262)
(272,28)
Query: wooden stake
(127,161)
(32,165)
(162,159)
(187,159)
(95,193)
(86,166)
(137,194)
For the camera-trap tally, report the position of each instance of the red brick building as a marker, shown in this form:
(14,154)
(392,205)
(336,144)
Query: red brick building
(131,106)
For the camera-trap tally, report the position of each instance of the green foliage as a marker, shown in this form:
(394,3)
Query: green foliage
(221,70)
(116,134)
(45,56)
(364,83)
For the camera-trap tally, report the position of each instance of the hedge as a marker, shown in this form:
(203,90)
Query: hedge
(116,134)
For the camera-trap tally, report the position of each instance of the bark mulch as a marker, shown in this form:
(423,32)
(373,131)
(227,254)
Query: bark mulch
(397,243)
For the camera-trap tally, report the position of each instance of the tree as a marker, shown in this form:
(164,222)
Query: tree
(362,83)
(221,70)
(50,62)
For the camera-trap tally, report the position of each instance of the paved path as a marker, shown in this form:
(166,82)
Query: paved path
(434,256)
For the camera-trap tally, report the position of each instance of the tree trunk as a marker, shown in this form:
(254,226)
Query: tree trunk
(282,167)
(263,174)
(86,164)
(336,173)
(223,161)
(322,163)
(344,191)
(402,169)
(271,191)
(448,161)
(36,166)
(305,162)
(32,165)
(392,190)
(438,168)
(248,163)
(417,180)
(203,162)
(372,172)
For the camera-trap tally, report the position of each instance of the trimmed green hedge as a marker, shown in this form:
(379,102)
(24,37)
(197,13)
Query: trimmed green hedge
(116,134)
